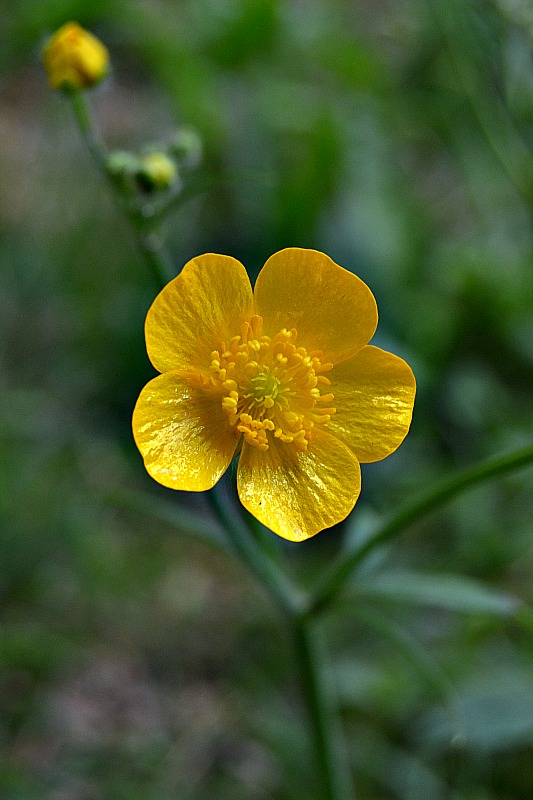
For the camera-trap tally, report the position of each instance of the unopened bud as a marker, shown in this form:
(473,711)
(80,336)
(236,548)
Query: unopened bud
(124,168)
(186,145)
(121,163)
(157,171)
(74,58)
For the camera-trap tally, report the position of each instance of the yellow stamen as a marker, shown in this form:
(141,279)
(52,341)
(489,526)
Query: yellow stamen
(271,387)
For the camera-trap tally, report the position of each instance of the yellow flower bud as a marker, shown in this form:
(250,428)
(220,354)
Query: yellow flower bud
(74,58)
(158,171)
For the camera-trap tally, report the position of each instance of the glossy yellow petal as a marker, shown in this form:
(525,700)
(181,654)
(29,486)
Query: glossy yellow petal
(182,433)
(374,395)
(299,494)
(332,309)
(197,311)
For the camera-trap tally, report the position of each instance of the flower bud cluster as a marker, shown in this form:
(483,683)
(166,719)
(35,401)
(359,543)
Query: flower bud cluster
(158,168)
(150,172)
(75,60)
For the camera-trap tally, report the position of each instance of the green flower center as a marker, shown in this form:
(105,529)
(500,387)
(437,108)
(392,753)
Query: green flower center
(264,386)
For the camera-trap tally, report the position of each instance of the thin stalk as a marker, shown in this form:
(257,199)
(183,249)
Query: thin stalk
(411,512)
(143,223)
(331,761)
(94,143)
(156,255)
(289,597)
(331,757)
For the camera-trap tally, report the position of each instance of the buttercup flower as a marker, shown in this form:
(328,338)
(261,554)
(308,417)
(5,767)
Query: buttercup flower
(282,374)
(74,58)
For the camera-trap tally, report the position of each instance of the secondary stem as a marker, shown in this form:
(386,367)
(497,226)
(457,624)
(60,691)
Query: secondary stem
(427,502)
(143,225)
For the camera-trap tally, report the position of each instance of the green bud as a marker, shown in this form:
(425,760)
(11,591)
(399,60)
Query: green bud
(121,163)
(186,145)
(156,171)
(123,168)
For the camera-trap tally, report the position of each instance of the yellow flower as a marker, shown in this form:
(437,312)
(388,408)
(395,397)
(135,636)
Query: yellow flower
(283,374)
(74,58)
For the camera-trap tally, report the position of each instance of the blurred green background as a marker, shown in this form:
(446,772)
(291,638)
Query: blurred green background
(136,662)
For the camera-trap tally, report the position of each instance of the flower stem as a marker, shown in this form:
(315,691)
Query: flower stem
(142,221)
(331,756)
(289,597)
(156,255)
(94,143)
(411,512)
(330,759)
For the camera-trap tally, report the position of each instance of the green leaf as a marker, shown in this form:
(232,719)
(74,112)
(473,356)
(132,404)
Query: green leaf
(497,707)
(399,771)
(449,592)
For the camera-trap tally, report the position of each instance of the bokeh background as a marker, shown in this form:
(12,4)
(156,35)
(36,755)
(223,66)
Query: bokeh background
(135,661)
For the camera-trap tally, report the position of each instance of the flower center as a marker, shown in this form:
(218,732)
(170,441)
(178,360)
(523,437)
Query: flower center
(271,387)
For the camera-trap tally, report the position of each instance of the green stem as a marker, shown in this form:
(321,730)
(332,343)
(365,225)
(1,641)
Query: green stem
(286,594)
(143,224)
(94,143)
(411,512)
(331,758)
(156,255)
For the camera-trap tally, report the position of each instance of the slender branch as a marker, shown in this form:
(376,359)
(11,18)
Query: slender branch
(151,246)
(411,512)
(332,759)
(289,597)
(332,764)
(143,223)
(94,143)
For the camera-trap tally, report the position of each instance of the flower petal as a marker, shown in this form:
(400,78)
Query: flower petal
(331,308)
(299,494)
(182,433)
(197,311)
(374,395)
